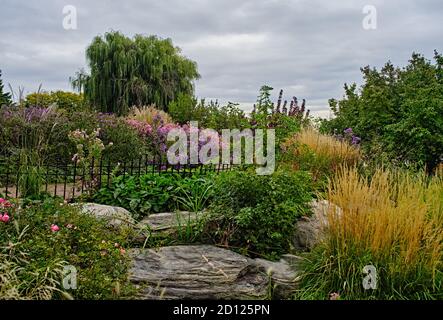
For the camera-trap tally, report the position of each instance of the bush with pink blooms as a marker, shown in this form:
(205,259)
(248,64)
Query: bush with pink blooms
(38,241)
(6,210)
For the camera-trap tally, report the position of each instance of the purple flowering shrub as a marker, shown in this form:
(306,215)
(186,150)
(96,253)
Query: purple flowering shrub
(350,137)
(156,135)
(47,131)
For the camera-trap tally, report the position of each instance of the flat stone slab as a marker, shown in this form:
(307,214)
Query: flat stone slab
(169,220)
(206,272)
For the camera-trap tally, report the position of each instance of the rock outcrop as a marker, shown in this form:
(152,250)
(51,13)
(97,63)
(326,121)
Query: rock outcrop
(208,272)
(310,229)
(115,216)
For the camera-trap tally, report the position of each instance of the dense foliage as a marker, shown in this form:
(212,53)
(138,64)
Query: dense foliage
(46,131)
(257,214)
(68,101)
(397,112)
(153,193)
(209,115)
(140,71)
(38,241)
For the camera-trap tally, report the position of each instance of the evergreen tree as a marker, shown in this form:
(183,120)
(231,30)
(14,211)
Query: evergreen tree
(5,97)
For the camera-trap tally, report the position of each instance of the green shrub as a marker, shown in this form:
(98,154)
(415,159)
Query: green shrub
(46,130)
(154,193)
(257,214)
(209,115)
(68,101)
(397,112)
(33,254)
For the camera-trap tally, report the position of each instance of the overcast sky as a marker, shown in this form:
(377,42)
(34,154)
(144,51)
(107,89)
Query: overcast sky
(309,48)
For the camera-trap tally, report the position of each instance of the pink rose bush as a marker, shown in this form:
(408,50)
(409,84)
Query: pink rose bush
(6,209)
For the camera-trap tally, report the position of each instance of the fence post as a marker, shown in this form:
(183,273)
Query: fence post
(7,177)
(75,173)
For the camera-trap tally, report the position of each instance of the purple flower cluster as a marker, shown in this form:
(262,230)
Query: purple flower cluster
(348,136)
(31,114)
(351,137)
(156,135)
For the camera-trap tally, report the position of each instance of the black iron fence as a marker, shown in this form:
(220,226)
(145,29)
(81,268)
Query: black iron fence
(70,181)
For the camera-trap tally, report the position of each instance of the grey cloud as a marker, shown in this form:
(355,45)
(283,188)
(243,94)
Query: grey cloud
(310,48)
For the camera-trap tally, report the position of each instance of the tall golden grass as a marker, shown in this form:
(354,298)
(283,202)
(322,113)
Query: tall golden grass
(148,114)
(396,218)
(320,154)
(328,146)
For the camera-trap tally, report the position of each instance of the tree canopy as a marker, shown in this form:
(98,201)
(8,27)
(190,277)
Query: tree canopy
(398,112)
(5,97)
(139,71)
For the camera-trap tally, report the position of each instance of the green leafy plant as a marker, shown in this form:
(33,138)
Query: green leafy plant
(257,214)
(153,193)
(40,239)
(194,193)
(31,174)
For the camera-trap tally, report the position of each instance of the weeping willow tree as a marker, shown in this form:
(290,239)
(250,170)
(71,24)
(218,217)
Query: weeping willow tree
(138,71)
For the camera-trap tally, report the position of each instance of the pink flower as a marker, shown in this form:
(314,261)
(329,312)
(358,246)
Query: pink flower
(2,200)
(334,296)
(54,228)
(5,218)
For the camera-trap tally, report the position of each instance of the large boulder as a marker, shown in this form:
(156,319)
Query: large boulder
(283,275)
(206,272)
(114,216)
(310,229)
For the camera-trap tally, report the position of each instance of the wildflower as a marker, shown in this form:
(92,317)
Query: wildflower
(5,218)
(334,296)
(54,228)
(116,245)
(349,131)
(122,251)
(356,140)
(5,203)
